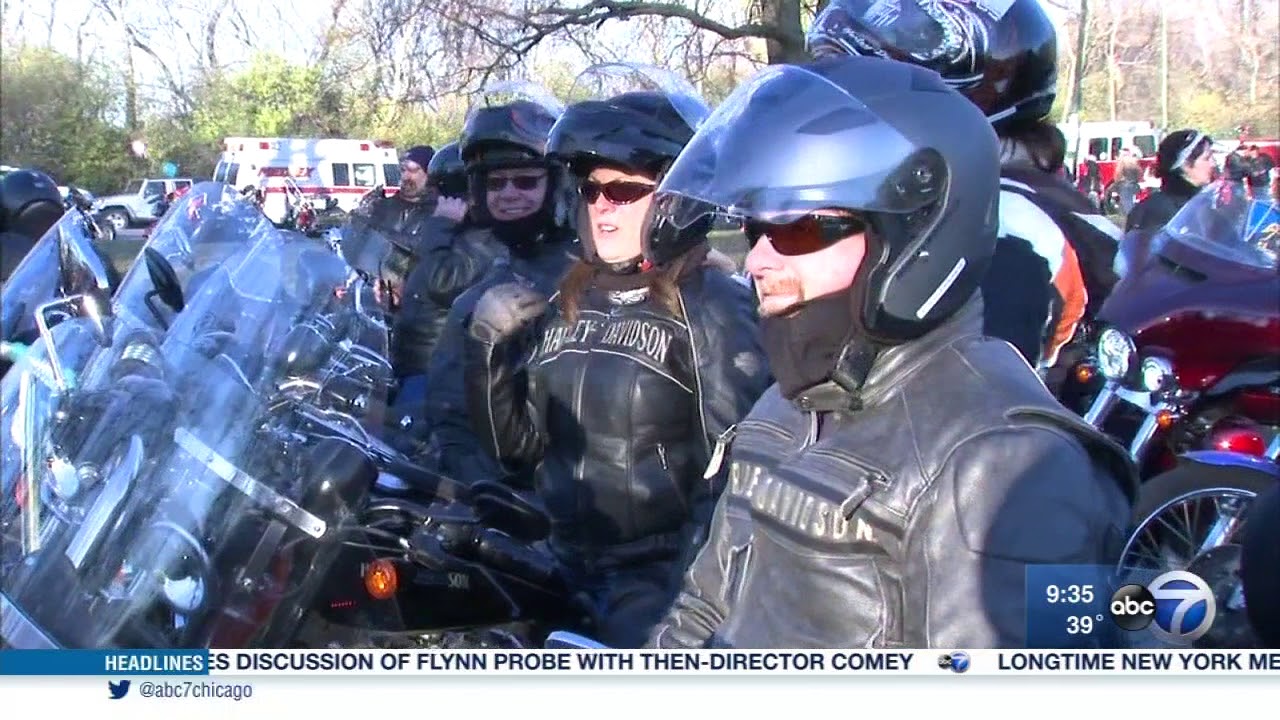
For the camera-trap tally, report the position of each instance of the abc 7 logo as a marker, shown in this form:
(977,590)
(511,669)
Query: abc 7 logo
(1178,606)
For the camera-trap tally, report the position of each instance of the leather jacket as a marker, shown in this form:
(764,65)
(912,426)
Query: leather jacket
(620,413)
(909,522)
(459,453)
(449,264)
(398,217)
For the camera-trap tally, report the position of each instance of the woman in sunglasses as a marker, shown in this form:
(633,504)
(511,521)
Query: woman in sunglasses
(619,388)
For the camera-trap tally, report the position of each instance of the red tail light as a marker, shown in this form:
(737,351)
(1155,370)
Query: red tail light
(364,147)
(1240,439)
(264,146)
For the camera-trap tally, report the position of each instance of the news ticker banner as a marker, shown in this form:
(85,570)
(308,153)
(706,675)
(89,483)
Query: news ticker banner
(124,663)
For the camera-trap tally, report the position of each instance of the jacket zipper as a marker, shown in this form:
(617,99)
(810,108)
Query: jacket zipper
(812,436)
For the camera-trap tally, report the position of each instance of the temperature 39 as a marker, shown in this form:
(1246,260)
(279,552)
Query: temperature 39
(1082,624)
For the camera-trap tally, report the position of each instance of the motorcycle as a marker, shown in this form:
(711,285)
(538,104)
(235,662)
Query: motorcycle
(1185,352)
(460,570)
(1217,515)
(178,467)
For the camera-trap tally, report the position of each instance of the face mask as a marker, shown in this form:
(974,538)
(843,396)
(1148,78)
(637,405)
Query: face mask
(803,347)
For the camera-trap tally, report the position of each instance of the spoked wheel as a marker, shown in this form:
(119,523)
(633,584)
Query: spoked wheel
(1193,518)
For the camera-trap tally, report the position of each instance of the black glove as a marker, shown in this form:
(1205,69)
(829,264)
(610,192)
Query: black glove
(504,310)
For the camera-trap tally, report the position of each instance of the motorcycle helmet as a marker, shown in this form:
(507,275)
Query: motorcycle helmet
(447,172)
(1002,56)
(30,202)
(886,139)
(508,129)
(513,135)
(639,129)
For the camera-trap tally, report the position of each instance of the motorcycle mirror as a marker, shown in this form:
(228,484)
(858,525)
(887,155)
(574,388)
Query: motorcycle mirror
(500,507)
(565,640)
(66,305)
(165,280)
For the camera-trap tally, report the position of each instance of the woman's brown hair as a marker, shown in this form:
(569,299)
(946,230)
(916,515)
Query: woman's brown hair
(663,283)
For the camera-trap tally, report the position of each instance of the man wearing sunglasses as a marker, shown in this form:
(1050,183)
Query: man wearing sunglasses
(895,484)
(516,227)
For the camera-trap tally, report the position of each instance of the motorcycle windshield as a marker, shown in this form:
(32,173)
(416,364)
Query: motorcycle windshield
(1224,222)
(375,252)
(207,225)
(63,262)
(190,487)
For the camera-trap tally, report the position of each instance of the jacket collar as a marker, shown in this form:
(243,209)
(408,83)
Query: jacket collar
(892,365)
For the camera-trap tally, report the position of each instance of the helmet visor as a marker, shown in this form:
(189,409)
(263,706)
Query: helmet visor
(826,150)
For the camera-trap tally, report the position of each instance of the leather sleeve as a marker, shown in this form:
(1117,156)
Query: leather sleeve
(463,456)
(1003,500)
(498,403)
(454,268)
(732,374)
(733,371)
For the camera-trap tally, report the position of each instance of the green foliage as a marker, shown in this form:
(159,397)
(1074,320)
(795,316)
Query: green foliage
(57,116)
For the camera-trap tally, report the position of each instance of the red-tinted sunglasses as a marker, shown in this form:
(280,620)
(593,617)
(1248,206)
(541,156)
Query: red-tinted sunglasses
(618,192)
(804,235)
(522,182)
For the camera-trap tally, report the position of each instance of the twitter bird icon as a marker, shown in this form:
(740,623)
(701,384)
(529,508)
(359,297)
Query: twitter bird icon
(118,690)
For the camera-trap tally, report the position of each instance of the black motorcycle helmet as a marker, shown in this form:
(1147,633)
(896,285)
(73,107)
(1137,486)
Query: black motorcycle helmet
(513,135)
(639,130)
(30,204)
(1006,62)
(889,140)
(447,172)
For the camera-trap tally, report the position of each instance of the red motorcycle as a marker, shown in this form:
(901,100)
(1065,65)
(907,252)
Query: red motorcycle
(1185,370)
(1185,353)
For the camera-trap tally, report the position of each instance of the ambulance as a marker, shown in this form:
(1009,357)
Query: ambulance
(291,170)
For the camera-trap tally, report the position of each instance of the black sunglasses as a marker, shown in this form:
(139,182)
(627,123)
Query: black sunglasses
(805,235)
(522,182)
(618,192)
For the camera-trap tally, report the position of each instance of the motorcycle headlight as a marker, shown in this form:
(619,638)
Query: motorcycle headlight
(1157,374)
(1115,353)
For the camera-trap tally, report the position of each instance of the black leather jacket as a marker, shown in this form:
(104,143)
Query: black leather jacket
(620,412)
(399,217)
(911,522)
(1150,215)
(452,261)
(458,452)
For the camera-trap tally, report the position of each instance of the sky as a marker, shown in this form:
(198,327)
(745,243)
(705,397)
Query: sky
(288,27)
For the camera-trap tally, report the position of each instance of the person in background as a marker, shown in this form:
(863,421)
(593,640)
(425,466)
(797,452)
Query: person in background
(421,317)
(1128,179)
(1053,265)
(896,483)
(1260,167)
(1184,164)
(614,394)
